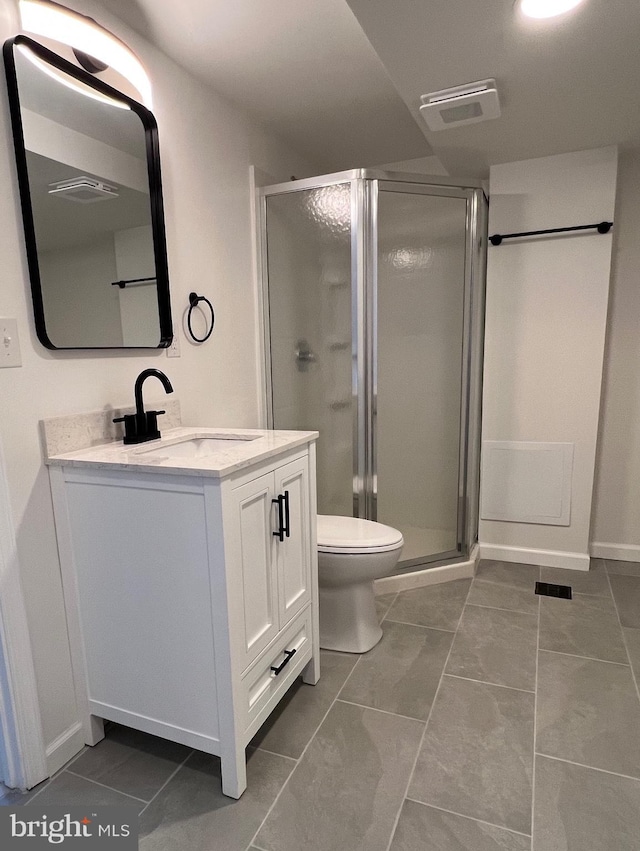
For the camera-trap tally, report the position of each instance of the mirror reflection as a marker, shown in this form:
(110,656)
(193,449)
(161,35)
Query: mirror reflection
(96,253)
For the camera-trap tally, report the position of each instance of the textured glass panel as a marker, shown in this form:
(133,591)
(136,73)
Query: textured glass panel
(421,266)
(309,276)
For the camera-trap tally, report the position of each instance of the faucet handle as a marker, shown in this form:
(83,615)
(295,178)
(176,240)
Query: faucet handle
(131,430)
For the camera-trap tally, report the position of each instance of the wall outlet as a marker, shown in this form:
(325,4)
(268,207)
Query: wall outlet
(9,343)
(173,351)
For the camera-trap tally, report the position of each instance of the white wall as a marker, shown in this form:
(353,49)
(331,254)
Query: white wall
(64,145)
(616,517)
(545,330)
(420,165)
(86,314)
(207,147)
(138,303)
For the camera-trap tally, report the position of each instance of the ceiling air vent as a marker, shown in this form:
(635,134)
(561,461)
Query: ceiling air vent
(83,189)
(461,105)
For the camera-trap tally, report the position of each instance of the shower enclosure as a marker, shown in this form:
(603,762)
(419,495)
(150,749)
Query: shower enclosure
(373,297)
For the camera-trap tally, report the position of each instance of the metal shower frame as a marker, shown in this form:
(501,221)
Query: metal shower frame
(365,186)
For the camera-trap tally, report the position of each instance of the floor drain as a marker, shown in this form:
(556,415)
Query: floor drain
(548,589)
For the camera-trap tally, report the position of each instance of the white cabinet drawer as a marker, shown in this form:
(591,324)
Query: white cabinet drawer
(262,686)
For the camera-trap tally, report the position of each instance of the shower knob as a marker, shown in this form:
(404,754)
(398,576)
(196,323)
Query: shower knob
(304,353)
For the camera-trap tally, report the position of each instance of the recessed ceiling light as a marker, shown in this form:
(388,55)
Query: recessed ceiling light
(547,8)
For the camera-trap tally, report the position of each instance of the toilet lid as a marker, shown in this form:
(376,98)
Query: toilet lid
(352,534)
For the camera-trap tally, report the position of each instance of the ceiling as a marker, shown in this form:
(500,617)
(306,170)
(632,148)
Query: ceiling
(341,79)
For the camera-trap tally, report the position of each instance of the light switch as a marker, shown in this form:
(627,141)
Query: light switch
(9,343)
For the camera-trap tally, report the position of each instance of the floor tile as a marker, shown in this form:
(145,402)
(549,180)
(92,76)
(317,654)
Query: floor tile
(585,626)
(626,568)
(505,586)
(348,787)
(579,809)
(383,603)
(70,790)
(402,672)
(593,581)
(626,593)
(496,646)
(477,755)
(289,728)
(588,712)
(632,639)
(192,813)
(437,606)
(131,762)
(421,827)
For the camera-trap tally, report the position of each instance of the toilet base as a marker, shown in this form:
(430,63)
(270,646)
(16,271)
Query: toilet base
(348,618)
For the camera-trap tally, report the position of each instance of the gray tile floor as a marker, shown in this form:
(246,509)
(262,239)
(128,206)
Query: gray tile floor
(485,716)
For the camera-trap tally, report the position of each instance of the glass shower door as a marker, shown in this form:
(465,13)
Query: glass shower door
(309,260)
(419,312)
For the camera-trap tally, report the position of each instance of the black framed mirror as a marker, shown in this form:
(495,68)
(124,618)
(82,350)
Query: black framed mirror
(91,194)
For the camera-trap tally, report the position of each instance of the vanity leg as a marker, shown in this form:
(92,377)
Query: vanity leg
(94,730)
(311,671)
(234,772)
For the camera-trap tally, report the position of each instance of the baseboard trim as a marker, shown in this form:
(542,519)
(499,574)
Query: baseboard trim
(428,575)
(65,747)
(615,552)
(546,558)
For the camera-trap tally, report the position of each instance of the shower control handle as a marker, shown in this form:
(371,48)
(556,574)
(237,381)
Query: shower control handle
(304,353)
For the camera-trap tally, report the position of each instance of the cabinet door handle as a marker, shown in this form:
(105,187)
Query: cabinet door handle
(289,654)
(287,528)
(280,531)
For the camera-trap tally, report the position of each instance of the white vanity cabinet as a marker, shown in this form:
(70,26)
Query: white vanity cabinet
(267,537)
(191,595)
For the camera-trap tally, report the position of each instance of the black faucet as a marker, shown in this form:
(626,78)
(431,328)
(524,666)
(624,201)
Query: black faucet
(143,425)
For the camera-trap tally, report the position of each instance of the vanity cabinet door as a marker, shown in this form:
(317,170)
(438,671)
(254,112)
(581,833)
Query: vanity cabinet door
(293,553)
(253,566)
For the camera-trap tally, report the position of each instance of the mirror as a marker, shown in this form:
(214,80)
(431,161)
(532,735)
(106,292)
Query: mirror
(90,189)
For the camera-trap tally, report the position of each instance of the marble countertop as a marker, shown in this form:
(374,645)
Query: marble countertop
(258,445)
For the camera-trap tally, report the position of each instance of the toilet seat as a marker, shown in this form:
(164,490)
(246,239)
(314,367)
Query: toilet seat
(353,535)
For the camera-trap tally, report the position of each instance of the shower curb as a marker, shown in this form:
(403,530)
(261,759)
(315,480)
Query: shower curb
(429,576)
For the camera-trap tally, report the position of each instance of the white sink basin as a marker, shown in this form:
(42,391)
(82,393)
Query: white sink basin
(196,447)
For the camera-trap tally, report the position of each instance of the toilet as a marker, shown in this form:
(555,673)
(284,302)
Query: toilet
(352,553)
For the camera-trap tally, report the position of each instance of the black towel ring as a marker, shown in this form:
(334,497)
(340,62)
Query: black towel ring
(194,300)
